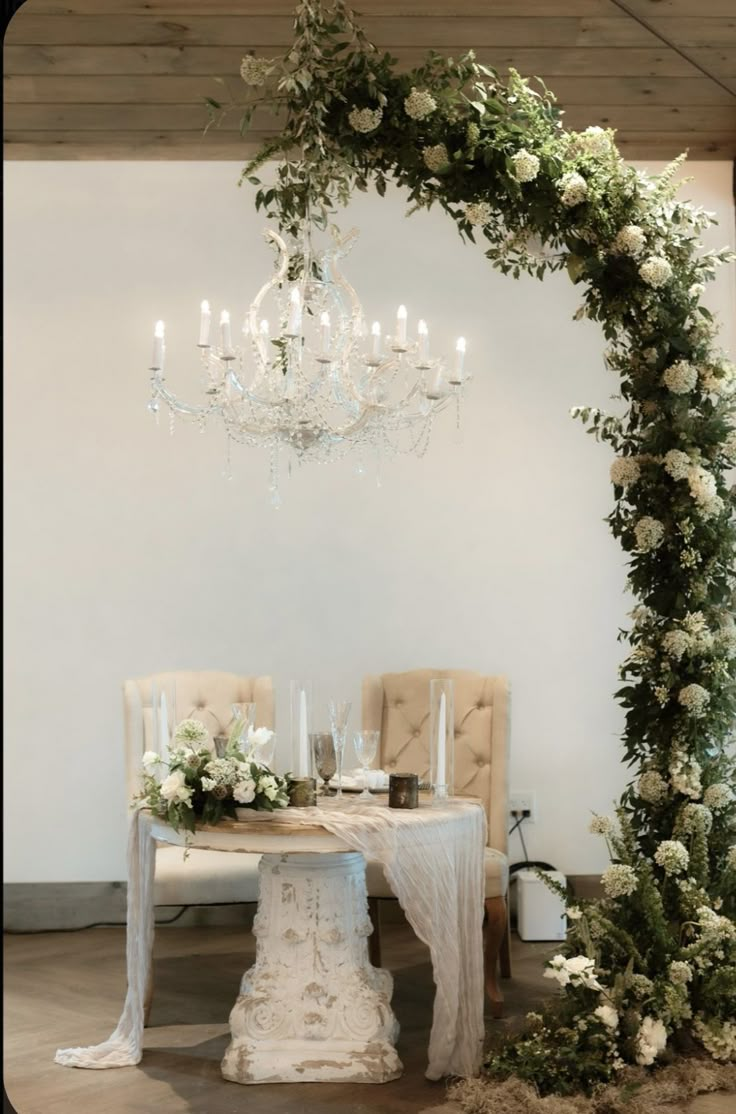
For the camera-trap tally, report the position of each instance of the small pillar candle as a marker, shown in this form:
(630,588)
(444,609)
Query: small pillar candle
(204,325)
(441,741)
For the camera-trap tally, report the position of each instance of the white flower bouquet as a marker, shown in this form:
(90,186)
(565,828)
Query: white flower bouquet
(201,787)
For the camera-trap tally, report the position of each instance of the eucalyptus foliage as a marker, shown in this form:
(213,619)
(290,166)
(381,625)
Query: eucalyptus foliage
(495,156)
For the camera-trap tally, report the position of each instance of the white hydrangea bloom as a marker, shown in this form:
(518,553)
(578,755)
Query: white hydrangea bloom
(719,380)
(625,471)
(718,796)
(652,787)
(651,1040)
(696,818)
(702,484)
(175,789)
(595,141)
(601,825)
(435,158)
(696,290)
(254,70)
(695,699)
(672,856)
(715,929)
(619,880)
(640,986)
(608,1015)
(656,271)
(681,377)
(419,104)
(365,119)
(677,464)
(630,240)
(573,189)
(478,212)
(685,775)
(526,165)
(649,534)
(719,1037)
(680,972)
(676,643)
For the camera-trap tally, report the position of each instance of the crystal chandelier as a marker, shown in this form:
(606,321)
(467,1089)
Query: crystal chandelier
(319,384)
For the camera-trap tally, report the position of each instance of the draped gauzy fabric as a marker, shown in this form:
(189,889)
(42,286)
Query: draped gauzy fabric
(433,858)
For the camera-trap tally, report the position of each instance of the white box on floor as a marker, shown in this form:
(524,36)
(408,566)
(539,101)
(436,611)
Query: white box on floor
(540,912)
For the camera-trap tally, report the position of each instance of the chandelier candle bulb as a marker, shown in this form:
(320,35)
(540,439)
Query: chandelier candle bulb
(459,359)
(324,332)
(435,384)
(157,361)
(376,340)
(294,326)
(264,329)
(401,326)
(204,325)
(423,343)
(226,342)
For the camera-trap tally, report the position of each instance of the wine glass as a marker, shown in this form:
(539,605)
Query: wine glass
(339,714)
(323,749)
(366,747)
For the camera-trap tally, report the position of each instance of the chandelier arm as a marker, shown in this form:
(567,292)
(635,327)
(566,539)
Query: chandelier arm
(177,405)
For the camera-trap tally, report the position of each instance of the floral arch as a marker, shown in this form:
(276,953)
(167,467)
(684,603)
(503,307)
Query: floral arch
(652,968)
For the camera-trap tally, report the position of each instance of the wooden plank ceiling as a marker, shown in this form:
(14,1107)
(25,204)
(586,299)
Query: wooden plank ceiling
(126,79)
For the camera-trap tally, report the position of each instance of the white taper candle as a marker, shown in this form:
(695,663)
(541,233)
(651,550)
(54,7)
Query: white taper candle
(423,341)
(459,357)
(441,741)
(376,340)
(303,770)
(324,329)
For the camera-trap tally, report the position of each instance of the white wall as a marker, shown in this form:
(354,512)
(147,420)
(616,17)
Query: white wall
(127,552)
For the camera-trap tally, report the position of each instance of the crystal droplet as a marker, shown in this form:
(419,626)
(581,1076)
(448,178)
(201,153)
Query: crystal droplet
(153,406)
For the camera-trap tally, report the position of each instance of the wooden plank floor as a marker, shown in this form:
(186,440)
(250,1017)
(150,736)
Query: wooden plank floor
(65,989)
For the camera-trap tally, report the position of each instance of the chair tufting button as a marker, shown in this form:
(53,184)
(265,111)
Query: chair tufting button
(415,734)
(391,762)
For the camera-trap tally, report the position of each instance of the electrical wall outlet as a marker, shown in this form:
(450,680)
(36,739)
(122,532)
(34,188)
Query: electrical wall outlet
(523,804)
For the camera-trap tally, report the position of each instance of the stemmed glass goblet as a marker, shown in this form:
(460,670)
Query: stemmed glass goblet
(339,714)
(323,749)
(366,747)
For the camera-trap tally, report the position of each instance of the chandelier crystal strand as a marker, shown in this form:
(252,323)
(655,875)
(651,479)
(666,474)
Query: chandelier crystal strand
(307,375)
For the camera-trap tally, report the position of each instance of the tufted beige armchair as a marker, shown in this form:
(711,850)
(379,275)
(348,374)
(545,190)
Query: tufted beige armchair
(207,877)
(397,705)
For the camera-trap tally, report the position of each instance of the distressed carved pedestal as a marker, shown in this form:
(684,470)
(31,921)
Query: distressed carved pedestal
(312,1008)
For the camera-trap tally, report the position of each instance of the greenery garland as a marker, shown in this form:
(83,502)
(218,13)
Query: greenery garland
(653,966)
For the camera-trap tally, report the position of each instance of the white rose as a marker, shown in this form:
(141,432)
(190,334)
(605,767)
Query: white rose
(150,759)
(174,787)
(608,1015)
(244,792)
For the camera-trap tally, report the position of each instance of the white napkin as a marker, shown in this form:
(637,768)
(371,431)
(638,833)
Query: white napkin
(353,779)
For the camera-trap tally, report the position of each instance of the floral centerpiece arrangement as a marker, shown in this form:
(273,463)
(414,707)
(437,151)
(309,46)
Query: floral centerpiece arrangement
(202,787)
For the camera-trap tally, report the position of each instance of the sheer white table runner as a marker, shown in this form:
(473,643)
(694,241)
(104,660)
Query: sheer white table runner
(433,858)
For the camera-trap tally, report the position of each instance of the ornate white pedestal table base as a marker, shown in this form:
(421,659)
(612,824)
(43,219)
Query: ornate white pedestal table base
(313,1008)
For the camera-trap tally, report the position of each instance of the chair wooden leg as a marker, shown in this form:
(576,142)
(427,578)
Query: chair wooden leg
(148,996)
(496,925)
(506,948)
(374,940)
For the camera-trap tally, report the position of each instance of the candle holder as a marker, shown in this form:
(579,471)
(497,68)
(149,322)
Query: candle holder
(403,791)
(301,711)
(302,792)
(442,738)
